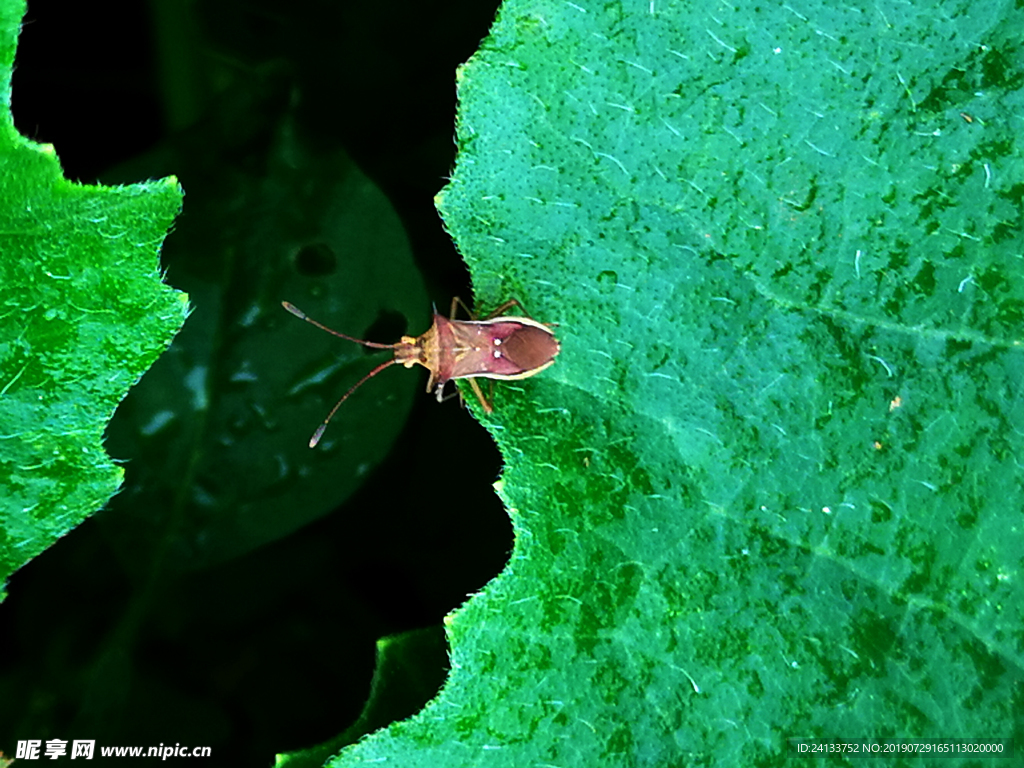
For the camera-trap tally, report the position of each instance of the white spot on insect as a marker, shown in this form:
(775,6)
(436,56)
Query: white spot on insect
(497,342)
(497,355)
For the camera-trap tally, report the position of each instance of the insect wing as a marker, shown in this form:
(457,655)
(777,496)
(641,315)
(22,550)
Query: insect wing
(502,348)
(530,349)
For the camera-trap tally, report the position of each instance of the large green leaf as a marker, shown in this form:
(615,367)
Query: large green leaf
(84,314)
(773,485)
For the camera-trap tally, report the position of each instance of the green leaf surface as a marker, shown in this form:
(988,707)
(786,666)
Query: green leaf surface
(773,486)
(83,313)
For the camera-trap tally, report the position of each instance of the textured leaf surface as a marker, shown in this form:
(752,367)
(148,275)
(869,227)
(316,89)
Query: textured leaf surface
(773,486)
(83,313)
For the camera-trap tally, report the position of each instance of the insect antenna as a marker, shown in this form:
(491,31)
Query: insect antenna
(323,425)
(303,316)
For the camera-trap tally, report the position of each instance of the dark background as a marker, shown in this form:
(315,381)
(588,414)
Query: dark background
(240,656)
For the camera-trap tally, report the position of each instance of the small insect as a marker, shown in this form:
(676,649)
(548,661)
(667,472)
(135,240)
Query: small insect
(500,347)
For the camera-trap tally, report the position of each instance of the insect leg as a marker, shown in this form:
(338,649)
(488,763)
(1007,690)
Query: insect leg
(510,303)
(456,301)
(480,396)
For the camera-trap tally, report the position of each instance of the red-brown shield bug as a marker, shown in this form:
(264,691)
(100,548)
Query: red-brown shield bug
(500,347)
